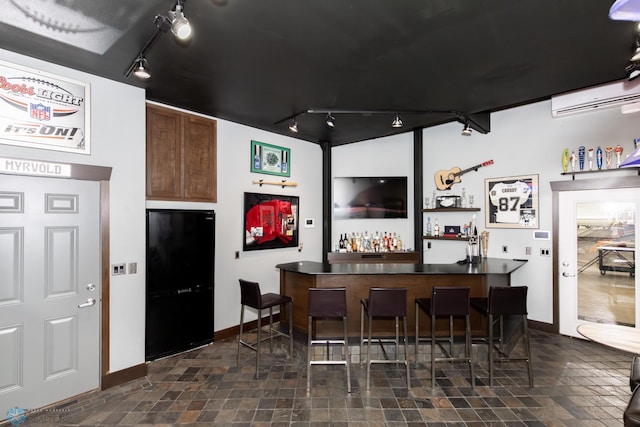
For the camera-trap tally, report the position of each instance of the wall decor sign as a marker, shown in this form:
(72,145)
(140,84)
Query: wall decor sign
(42,110)
(270,221)
(512,202)
(270,159)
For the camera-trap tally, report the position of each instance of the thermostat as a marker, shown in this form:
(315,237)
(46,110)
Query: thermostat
(541,235)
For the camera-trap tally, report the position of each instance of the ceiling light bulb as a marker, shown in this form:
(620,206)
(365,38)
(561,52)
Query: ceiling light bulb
(141,71)
(331,121)
(397,122)
(467,130)
(180,26)
(293,127)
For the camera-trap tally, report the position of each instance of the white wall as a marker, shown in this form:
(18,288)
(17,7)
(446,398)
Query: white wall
(390,156)
(523,141)
(118,141)
(234,179)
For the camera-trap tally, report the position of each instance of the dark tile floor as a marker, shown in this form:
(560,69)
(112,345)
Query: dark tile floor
(577,383)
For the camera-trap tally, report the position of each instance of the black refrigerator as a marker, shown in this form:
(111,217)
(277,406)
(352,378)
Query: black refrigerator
(180,280)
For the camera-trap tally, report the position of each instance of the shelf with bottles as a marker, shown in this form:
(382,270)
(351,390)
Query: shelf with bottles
(443,237)
(451,210)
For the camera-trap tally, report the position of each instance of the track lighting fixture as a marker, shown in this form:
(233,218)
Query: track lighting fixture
(397,122)
(141,70)
(479,122)
(625,10)
(633,70)
(331,121)
(180,26)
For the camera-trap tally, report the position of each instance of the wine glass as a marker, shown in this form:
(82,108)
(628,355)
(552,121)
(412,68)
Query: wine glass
(470,200)
(427,200)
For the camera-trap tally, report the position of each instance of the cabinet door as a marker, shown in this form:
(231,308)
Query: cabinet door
(164,153)
(199,159)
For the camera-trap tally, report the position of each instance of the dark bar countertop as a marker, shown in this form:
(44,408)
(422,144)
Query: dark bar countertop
(487,266)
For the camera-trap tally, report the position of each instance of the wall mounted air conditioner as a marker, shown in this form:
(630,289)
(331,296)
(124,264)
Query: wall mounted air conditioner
(595,98)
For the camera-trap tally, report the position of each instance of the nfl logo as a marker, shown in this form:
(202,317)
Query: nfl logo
(39,112)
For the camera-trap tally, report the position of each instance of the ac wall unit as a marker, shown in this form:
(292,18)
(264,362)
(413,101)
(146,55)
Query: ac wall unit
(595,98)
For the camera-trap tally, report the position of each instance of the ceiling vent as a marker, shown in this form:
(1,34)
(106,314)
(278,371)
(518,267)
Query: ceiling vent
(595,98)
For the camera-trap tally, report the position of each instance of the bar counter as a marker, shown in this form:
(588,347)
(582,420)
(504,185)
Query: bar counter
(419,279)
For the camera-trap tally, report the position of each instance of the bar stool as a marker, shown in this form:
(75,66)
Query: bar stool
(451,302)
(385,302)
(327,303)
(505,301)
(250,296)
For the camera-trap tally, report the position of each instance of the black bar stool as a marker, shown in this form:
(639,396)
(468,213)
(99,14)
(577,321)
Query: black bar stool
(451,302)
(250,296)
(327,303)
(385,302)
(505,301)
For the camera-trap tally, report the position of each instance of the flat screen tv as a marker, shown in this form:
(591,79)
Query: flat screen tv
(370,197)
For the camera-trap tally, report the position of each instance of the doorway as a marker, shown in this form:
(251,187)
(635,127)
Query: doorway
(63,243)
(594,272)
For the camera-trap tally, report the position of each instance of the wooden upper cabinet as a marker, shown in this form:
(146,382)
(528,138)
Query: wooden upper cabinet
(181,156)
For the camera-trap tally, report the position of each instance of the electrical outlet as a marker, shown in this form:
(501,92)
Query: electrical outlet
(118,269)
(545,252)
(505,249)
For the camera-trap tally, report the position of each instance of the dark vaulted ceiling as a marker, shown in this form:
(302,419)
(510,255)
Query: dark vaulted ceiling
(259,62)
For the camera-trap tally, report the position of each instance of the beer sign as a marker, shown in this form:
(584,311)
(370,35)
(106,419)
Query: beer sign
(40,110)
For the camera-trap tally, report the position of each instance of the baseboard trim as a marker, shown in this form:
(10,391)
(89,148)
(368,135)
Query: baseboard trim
(544,327)
(120,377)
(235,330)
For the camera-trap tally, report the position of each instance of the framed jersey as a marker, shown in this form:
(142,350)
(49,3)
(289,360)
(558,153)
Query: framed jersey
(511,202)
(270,221)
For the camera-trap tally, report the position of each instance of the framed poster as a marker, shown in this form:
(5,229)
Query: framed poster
(270,221)
(270,159)
(42,110)
(511,202)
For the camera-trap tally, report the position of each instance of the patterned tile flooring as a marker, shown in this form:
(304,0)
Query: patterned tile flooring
(577,383)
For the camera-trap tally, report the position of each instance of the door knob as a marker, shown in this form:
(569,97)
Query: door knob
(89,303)
(91,287)
(565,274)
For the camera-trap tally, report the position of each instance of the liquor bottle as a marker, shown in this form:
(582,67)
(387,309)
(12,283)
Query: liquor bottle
(429,226)
(340,245)
(399,247)
(394,242)
(436,228)
(256,158)
(284,163)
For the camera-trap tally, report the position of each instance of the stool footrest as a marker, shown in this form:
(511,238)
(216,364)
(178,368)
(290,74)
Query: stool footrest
(318,342)
(328,362)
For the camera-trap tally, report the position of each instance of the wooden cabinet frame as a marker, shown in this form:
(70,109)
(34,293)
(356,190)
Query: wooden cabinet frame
(181,156)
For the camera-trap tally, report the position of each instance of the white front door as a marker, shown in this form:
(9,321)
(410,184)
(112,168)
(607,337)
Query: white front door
(49,290)
(596,254)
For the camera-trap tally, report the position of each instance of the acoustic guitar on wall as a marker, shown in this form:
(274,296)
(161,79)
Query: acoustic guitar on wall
(446,178)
